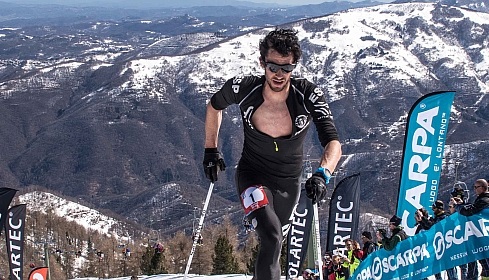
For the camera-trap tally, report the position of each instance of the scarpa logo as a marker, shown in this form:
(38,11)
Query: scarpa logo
(420,167)
(392,263)
(458,235)
(439,245)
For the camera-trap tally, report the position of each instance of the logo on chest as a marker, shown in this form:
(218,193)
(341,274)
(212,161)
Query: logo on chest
(301,121)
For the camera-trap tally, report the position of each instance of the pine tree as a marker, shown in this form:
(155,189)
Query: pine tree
(250,265)
(283,257)
(223,260)
(152,262)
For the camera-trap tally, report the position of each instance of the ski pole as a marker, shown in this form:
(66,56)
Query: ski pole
(199,228)
(318,240)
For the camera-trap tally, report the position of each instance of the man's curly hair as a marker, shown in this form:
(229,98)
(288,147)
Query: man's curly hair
(284,41)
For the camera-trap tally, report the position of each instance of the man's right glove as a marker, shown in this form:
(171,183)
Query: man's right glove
(213,163)
(316,187)
(382,232)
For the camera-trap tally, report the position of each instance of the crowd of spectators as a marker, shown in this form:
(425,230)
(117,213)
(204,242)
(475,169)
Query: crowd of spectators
(342,266)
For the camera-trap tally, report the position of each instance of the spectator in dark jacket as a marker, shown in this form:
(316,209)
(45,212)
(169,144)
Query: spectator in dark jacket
(423,220)
(439,214)
(468,209)
(398,234)
(463,267)
(368,246)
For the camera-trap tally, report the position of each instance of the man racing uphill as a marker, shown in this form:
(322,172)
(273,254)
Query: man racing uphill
(276,110)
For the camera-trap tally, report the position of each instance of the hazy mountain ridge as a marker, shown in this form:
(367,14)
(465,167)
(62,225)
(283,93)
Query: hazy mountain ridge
(117,129)
(253,14)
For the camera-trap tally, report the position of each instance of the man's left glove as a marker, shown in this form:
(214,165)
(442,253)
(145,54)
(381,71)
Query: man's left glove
(213,163)
(316,187)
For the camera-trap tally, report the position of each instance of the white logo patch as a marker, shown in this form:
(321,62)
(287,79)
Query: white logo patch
(301,121)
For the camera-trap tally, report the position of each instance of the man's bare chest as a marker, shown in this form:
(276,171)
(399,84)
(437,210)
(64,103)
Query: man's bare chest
(273,119)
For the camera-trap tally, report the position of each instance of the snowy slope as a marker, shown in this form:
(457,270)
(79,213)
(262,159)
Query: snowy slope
(386,38)
(88,218)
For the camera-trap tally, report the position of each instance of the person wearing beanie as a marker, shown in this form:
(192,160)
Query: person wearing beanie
(398,234)
(368,246)
(439,211)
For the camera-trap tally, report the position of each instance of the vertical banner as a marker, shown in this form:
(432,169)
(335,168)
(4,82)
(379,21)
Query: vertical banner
(298,237)
(424,143)
(344,213)
(454,241)
(40,273)
(14,231)
(6,196)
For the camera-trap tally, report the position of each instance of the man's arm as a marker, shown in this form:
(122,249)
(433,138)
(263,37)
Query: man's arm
(213,119)
(390,243)
(471,209)
(331,155)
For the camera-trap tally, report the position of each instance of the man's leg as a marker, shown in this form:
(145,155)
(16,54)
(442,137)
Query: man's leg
(472,271)
(452,273)
(269,230)
(463,271)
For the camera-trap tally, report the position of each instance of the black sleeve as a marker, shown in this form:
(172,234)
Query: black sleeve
(233,91)
(426,223)
(473,208)
(316,104)
(224,97)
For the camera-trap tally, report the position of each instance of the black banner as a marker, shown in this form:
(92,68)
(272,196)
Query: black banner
(6,196)
(298,237)
(344,213)
(14,231)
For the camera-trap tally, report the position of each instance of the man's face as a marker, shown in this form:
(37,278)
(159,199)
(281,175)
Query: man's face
(392,226)
(277,78)
(364,239)
(451,208)
(478,188)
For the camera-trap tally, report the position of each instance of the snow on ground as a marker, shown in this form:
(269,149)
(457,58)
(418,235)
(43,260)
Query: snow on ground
(210,277)
(179,276)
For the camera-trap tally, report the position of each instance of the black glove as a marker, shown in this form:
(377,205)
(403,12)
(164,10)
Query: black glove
(382,232)
(316,187)
(213,163)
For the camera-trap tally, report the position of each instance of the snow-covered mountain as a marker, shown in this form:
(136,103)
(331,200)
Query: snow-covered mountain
(88,218)
(373,63)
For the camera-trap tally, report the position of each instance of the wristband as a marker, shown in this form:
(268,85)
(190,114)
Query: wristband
(323,171)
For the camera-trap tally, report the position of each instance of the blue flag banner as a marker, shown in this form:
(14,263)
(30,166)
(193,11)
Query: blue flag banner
(453,241)
(426,131)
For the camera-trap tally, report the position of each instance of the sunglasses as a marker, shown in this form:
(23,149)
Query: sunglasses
(287,68)
(475,186)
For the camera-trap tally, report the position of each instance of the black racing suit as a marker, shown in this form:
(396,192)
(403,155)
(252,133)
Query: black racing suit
(275,164)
